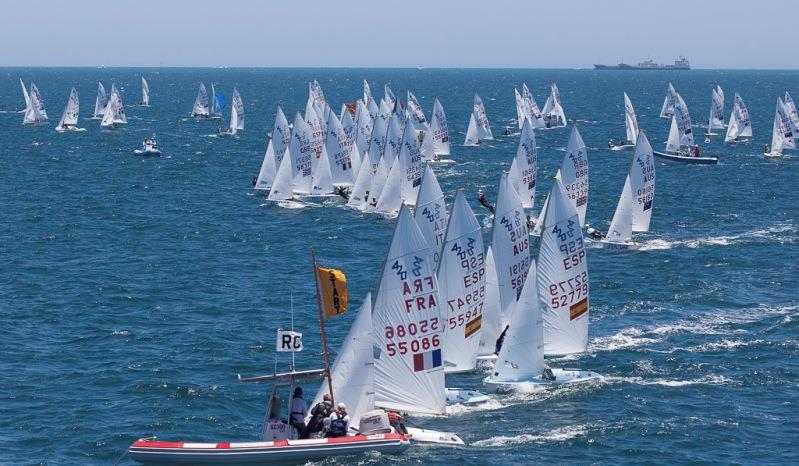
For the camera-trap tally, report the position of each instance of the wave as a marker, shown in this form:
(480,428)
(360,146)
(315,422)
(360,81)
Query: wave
(557,435)
(706,380)
(782,233)
(490,405)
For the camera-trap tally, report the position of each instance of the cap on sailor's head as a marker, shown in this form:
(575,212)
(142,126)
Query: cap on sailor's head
(342,406)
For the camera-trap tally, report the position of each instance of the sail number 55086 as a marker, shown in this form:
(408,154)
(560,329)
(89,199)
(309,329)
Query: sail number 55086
(419,344)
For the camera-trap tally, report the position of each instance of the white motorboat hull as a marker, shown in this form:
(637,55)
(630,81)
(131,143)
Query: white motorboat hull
(147,152)
(276,452)
(686,159)
(562,377)
(434,436)
(441,162)
(69,129)
(464,396)
(772,155)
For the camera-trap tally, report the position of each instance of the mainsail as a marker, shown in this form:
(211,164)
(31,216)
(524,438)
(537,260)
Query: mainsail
(408,325)
(462,280)
(439,131)
(367,92)
(411,165)
(339,147)
(553,113)
(793,116)
(145,93)
(563,277)
(630,120)
(667,110)
(200,103)
(363,127)
(431,213)
(100,102)
(532,107)
(574,174)
(217,103)
(782,134)
(740,124)
(301,156)
(236,113)
(282,189)
(480,117)
(70,115)
(524,168)
(716,119)
(684,125)
(634,210)
(35,112)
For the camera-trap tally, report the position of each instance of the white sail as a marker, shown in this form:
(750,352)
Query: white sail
(793,116)
(411,166)
(347,124)
(389,97)
(574,174)
(390,199)
(539,221)
(563,277)
(35,112)
(462,281)
(282,189)
(416,114)
(100,102)
(393,140)
(408,326)
(524,167)
(782,134)
(236,112)
(301,156)
(439,131)
(358,195)
(315,93)
(200,108)
(145,93)
(684,125)
(481,118)
(431,213)
(673,142)
(215,104)
(511,244)
(363,127)
(376,185)
(266,176)
(492,319)
(377,141)
(634,211)
(744,123)
(373,108)
(521,109)
(338,147)
(532,107)
(281,138)
(471,133)
(352,372)
(322,183)
(281,133)
(630,120)
(71,111)
(26,96)
(553,113)
(667,110)
(119,109)
(367,92)
(716,119)
(621,227)
(522,353)
(114,112)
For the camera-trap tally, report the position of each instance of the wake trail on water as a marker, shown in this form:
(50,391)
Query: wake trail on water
(561,434)
(782,233)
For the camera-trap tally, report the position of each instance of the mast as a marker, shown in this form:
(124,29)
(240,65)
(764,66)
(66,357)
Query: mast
(322,326)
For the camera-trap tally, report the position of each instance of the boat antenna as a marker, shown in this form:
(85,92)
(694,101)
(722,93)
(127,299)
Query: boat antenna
(322,327)
(291,298)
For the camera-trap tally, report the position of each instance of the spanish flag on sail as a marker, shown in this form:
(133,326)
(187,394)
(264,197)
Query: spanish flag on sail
(332,291)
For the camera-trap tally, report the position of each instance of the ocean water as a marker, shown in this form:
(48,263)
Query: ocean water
(132,291)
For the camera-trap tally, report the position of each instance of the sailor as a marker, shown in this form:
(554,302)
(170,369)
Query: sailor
(396,421)
(298,411)
(483,201)
(547,374)
(501,340)
(530,223)
(319,413)
(596,234)
(766,149)
(697,151)
(254,180)
(507,131)
(478,142)
(341,191)
(610,143)
(338,423)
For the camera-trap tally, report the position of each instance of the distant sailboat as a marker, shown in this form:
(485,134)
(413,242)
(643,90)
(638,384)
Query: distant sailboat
(630,125)
(145,93)
(782,136)
(200,109)
(26,96)
(667,110)
(532,107)
(439,132)
(740,125)
(680,144)
(431,213)
(114,113)
(716,118)
(100,102)
(35,112)
(634,210)
(281,137)
(367,92)
(479,129)
(574,174)
(69,119)
(524,168)
(217,104)
(553,114)
(793,116)
(338,146)
(236,115)
(282,192)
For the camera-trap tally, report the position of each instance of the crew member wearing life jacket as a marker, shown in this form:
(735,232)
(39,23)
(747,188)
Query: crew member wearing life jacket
(501,340)
(319,414)
(483,201)
(338,423)
(298,411)
(341,191)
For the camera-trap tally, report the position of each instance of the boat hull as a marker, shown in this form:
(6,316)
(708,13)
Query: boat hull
(619,245)
(562,377)
(277,452)
(434,436)
(147,153)
(686,159)
(464,396)
(623,147)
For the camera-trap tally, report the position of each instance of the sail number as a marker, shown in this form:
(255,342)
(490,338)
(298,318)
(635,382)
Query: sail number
(416,344)
(566,292)
(461,319)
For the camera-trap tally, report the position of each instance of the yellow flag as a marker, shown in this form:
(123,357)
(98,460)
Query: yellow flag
(333,289)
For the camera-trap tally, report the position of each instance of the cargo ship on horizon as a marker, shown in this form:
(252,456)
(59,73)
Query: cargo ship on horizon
(681,64)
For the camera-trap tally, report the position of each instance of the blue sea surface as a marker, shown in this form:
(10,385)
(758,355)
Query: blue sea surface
(133,290)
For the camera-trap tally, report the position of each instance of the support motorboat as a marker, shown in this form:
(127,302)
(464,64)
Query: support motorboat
(148,147)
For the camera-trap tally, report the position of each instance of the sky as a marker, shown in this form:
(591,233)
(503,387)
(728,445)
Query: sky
(452,34)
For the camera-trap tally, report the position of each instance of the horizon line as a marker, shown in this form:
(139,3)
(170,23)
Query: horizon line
(418,68)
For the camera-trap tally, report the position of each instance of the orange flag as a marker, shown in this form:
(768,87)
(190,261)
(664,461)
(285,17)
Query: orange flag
(333,291)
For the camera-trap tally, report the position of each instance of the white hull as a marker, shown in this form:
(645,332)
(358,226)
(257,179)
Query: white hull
(623,147)
(619,245)
(261,191)
(441,162)
(151,152)
(69,129)
(434,436)
(289,204)
(772,155)
(463,396)
(562,377)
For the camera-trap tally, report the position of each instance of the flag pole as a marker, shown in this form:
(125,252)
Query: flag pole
(322,326)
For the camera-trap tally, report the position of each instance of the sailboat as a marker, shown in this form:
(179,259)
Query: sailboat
(145,93)
(338,146)
(634,209)
(100,102)
(537,119)
(114,113)
(793,116)
(281,137)
(740,125)
(26,96)
(782,136)
(408,326)
(461,279)
(69,119)
(363,127)
(667,110)
(416,115)
(282,190)
(630,125)
(438,136)
(716,118)
(389,199)
(431,213)
(681,139)
(217,104)
(524,168)
(236,115)
(522,112)
(479,129)
(511,248)
(301,155)
(200,109)
(367,92)
(574,174)
(553,114)
(35,112)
